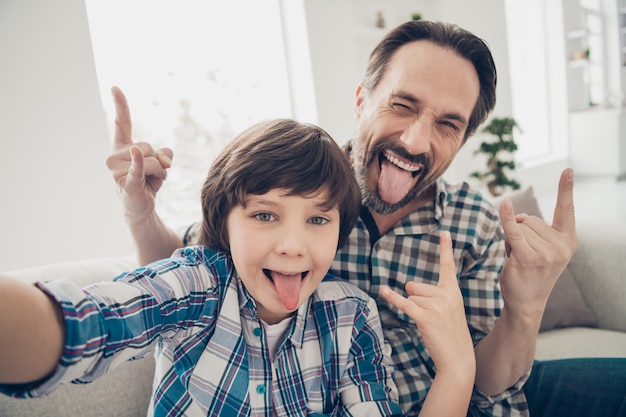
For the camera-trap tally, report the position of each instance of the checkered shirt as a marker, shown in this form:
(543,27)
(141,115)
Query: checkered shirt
(410,252)
(211,349)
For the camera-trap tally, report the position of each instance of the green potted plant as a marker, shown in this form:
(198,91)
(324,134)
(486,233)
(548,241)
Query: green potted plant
(496,176)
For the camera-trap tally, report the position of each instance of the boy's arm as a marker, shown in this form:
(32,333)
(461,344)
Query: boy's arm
(139,171)
(33,332)
(439,314)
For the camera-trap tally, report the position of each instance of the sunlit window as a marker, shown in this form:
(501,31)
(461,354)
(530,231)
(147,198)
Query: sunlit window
(539,82)
(528,59)
(195,72)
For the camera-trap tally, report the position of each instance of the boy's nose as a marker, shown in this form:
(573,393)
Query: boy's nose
(292,241)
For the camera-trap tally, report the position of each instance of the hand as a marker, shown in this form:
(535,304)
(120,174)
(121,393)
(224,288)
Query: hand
(439,313)
(138,169)
(537,252)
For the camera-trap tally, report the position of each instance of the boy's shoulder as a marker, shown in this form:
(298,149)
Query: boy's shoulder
(333,288)
(200,253)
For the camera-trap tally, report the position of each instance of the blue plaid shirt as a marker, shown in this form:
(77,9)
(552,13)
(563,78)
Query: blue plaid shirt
(410,252)
(211,349)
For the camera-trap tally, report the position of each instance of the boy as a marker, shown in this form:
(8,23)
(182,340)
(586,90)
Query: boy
(248,323)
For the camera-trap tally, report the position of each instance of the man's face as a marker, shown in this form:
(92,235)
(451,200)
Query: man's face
(410,127)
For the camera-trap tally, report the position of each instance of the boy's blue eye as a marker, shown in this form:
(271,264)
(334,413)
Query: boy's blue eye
(264,217)
(318,220)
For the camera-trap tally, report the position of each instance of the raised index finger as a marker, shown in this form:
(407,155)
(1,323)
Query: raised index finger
(447,270)
(123,123)
(564,219)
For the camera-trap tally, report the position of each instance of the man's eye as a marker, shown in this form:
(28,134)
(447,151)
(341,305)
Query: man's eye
(264,217)
(318,220)
(400,106)
(450,125)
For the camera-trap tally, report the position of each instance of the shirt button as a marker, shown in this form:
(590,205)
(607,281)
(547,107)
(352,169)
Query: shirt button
(257,332)
(260,389)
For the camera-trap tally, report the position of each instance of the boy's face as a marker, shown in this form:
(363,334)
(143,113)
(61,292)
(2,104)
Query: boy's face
(282,247)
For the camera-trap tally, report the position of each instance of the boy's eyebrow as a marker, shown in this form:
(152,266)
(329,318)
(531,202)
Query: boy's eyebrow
(414,100)
(260,201)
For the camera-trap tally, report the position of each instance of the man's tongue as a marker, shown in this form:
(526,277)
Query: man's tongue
(393,183)
(288,289)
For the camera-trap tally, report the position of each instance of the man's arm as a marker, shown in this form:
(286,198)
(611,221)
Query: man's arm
(537,254)
(33,332)
(139,171)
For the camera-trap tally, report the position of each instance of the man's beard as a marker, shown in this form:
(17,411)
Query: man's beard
(371,198)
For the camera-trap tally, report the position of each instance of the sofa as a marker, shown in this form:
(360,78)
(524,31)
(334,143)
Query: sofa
(585,317)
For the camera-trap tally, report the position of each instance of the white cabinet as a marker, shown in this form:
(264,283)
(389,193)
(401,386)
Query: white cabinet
(595,41)
(585,24)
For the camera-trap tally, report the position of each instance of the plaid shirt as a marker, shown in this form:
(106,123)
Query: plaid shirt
(410,252)
(211,349)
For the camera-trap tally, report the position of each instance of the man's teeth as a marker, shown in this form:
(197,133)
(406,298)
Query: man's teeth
(400,163)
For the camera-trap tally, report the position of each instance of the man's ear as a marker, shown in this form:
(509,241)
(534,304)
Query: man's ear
(359,101)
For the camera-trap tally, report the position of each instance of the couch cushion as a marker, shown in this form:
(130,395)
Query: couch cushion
(566,306)
(83,272)
(580,342)
(124,391)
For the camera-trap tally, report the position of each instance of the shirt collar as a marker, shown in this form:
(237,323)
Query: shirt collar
(442,197)
(295,332)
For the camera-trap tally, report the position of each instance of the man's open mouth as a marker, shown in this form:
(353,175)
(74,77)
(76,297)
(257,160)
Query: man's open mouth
(413,168)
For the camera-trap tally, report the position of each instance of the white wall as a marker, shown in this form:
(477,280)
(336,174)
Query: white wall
(58,200)
(333,61)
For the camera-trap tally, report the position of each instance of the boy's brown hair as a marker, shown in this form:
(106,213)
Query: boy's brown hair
(281,153)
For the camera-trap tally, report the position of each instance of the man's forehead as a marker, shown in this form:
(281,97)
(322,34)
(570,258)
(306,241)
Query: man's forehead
(423,70)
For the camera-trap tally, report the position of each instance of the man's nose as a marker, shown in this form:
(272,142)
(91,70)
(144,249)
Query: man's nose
(417,135)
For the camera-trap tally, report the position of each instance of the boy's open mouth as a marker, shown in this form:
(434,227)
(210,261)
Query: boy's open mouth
(268,273)
(287,286)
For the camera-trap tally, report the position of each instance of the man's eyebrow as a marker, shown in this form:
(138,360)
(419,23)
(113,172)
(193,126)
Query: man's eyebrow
(414,100)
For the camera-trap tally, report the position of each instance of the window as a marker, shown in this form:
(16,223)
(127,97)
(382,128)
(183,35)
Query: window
(538,85)
(196,73)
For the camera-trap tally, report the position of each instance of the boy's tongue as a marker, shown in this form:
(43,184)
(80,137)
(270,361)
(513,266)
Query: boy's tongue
(288,289)
(393,182)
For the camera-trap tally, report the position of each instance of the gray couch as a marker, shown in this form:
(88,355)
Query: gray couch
(593,295)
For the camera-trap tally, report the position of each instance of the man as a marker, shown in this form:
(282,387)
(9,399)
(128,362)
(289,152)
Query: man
(427,88)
